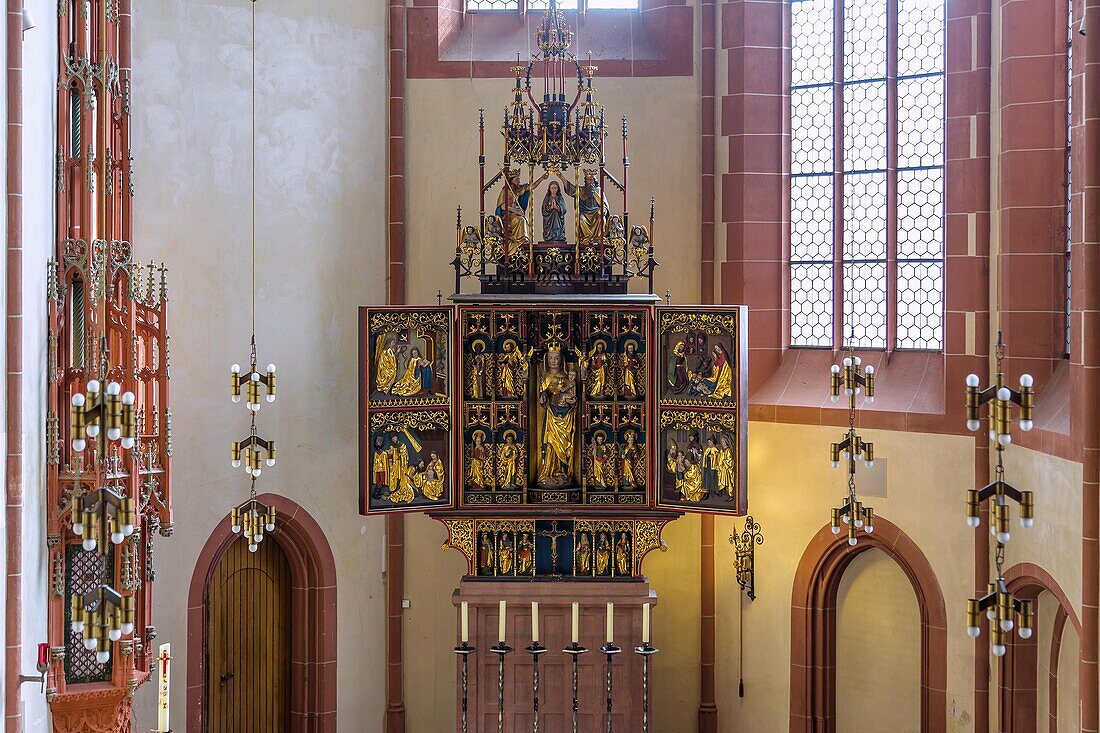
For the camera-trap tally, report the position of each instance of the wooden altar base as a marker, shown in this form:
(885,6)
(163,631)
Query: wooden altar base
(555,667)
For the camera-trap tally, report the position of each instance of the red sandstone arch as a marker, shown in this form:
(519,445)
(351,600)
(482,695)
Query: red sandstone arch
(313,608)
(1019,667)
(813,626)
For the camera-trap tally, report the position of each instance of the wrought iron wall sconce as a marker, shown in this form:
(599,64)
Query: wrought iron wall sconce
(744,545)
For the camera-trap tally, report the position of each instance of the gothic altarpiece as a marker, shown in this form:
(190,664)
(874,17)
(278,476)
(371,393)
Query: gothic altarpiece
(555,421)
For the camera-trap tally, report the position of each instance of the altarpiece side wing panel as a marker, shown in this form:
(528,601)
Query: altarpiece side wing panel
(406,382)
(702,409)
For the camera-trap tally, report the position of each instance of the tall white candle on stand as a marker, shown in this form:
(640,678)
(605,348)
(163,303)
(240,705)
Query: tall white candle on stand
(576,623)
(534,622)
(465,622)
(610,623)
(645,623)
(500,625)
(164,686)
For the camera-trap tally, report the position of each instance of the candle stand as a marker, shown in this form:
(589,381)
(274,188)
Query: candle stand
(575,650)
(610,650)
(464,651)
(646,651)
(501,650)
(536,650)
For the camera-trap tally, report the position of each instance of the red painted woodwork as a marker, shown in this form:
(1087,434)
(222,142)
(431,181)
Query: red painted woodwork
(555,667)
(99,296)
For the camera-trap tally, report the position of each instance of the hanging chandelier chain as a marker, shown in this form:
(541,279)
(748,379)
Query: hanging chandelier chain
(253,258)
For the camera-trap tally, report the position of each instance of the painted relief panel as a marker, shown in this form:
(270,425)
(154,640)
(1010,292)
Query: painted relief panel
(702,410)
(406,368)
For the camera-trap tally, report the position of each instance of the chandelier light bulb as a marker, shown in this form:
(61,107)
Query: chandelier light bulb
(859,524)
(973,521)
(990,614)
(1003,394)
(852,541)
(1026,380)
(834,398)
(114,634)
(847,361)
(103,657)
(848,391)
(88,544)
(127,529)
(972,380)
(89,643)
(1025,632)
(254,406)
(271,398)
(835,368)
(844,519)
(127,443)
(254,376)
(270,461)
(92,430)
(116,538)
(869,399)
(869,464)
(93,386)
(236,368)
(77,627)
(1026,522)
(834,464)
(79,400)
(235,529)
(128,398)
(271,368)
(973,631)
(857,361)
(1026,425)
(836,530)
(1007,624)
(998,650)
(1004,438)
(270,527)
(236,463)
(78,528)
(869,529)
(973,425)
(1004,537)
(252,547)
(256,472)
(114,434)
(127,628)
(79,445)
(992,434)
(114,388)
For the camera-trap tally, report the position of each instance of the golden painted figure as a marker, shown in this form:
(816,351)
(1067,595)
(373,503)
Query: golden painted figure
(727,473)
(631,453)
(478,366)
(633,386)
(622,556)
(477,477)
(597,371)
(603,555)
(417,378)
(557,399)
(584,555)
(507,555)
(525,555)
(513,203)
(692,488)
(513,370)
(508,463)
(591,208)
(397,478)
(601,462)
(674,461)
(486,555)
(385,370)
(432,486)
(718,384)
(677,369)
(709,467)
(379,465)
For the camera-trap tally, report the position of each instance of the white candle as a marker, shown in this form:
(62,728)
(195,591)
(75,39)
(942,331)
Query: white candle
(534,622)
(500,625)
(645,623)
(576,623)
(465,622)
(164,669)
(610,623)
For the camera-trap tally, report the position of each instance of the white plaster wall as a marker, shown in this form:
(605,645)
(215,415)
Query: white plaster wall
(320,241)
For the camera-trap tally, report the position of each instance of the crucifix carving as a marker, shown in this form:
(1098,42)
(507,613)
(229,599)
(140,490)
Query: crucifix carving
(554,534)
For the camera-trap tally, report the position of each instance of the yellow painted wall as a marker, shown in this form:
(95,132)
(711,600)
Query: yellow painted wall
(1069,706)
(877,648)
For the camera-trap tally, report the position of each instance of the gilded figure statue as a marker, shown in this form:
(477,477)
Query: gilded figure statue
(417,378)
(397,468)
(677,369)
(557,401)
(727,480)
(525,555)
(597,363)
(709,466)
(486,556)
(591,208)
(601,462)
(692,486)
(508,463)
(603,555)
(632,452)
(478,369)
(584,555)
(513,203)
(478,469)
(622,556)
(717,383)
(513,369)
(633,385)
(385,370)
(432,485)
(506,554)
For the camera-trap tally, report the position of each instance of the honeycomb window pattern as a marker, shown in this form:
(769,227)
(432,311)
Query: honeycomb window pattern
(892,174)
(492,5)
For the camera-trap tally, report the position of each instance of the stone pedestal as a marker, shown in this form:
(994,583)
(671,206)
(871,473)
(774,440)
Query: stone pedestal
(555,667)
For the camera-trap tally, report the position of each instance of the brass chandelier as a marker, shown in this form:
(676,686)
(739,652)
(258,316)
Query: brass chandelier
(848,380)
(1004,611)
(252,519)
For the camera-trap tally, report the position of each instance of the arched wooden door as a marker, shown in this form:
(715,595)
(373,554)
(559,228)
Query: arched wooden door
(248,633)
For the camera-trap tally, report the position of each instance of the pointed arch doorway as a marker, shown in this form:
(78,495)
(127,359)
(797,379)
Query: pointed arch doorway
(297,577)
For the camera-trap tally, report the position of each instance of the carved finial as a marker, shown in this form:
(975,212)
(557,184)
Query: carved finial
(668,297)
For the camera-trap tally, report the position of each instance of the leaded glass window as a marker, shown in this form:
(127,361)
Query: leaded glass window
(866,176)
